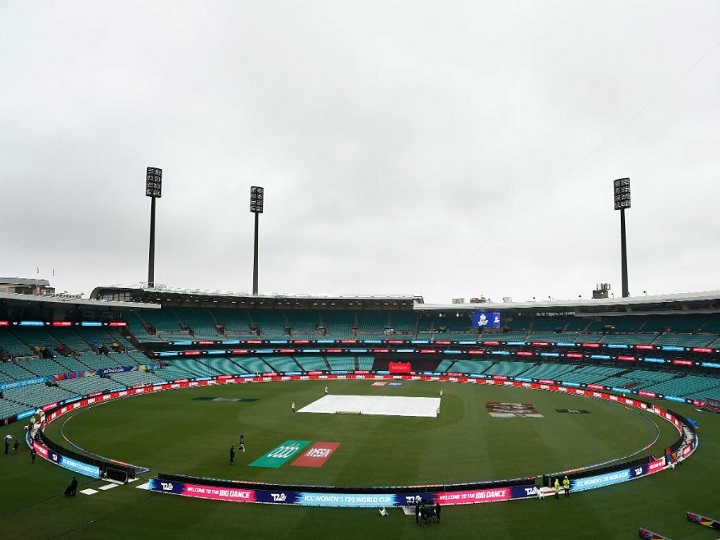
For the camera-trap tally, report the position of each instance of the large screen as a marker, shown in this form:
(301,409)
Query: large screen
(486,319)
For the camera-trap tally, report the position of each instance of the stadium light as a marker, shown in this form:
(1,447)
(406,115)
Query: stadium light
(621,189)
(153,189)
(257,201)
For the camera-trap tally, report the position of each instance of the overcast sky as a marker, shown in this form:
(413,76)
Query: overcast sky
(443,149)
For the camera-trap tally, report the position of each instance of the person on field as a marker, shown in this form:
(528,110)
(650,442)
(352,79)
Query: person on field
(437,510)
(71,490)
(232,454)
(417,512)
(33,453)
(326,390)
(566,486)
(557,489)
(242,439)
(293,406)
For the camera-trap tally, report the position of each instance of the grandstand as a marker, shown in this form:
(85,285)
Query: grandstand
(536,341)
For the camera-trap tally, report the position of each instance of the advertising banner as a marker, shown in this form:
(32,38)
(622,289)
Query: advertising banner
(475,496)
(601,480)
(280,454)
(79,467)
(347,500)
(24,382)
(316,455)
(399,367)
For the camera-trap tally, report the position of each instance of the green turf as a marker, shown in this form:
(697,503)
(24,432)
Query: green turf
(176,432)
(172,432)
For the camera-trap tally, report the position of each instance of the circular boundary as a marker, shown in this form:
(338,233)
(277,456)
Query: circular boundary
(446,494)
(620,459)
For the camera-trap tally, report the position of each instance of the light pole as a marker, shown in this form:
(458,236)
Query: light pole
(153,189)
(621,189)
(257,198)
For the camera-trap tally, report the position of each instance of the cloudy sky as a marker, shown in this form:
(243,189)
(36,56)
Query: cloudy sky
(443,149)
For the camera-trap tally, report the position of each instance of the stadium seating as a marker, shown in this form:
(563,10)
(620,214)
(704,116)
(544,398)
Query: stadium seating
(684,340)
(553,337)
(283,364)
(341,363)
(503,336)
(365,363)
(236,321)
(627,339)
(685,386)
(41,367)
(312,363)
(225,365)
(404,323)
(133,378)
(373,322)
(272,323)
(465,366)
(170,373)
(304,324)
(83,386)
(37,395)
(15,372)
(253,364)
(200,320)
(548,371)
(196,367)
(511,369)
(13,345)
(339,324)
(590,374)
(9,408)
(577,324)
(548,324)
(99,361)
(444,365)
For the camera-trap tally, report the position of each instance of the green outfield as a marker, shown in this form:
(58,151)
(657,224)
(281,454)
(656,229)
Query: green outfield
(190,432)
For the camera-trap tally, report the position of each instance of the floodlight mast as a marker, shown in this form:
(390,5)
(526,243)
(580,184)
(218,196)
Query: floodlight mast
(153,189)
(621,189)
(257,200)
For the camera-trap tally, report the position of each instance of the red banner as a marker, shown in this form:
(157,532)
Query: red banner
(316,455)
(400,367)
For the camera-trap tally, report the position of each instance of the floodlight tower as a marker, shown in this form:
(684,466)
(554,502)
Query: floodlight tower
(622,201)
(153,189)
(257,198)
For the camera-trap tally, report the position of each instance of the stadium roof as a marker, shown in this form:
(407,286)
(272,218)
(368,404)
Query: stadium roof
(163,294)
(69,300)
(24,281)
(707,300)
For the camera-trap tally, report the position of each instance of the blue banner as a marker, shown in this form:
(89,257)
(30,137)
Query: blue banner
(239,493)
(79,467)
(485,319)
(24,382)
(601,480)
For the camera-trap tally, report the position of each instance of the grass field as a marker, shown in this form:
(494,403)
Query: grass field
(176,432)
